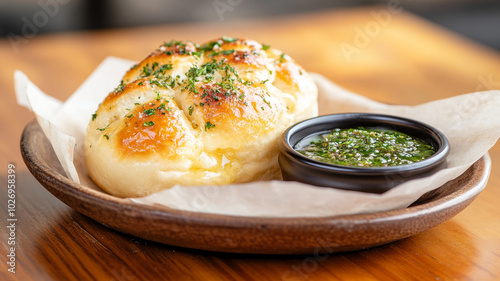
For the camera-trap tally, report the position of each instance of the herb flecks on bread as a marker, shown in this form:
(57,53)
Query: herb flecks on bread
(192,114)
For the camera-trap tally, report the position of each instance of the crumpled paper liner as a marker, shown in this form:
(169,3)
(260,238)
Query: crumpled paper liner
(471,123)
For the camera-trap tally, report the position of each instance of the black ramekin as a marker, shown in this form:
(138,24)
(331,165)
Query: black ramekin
(297,167)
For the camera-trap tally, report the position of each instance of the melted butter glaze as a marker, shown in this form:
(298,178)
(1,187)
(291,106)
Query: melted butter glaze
(148,132)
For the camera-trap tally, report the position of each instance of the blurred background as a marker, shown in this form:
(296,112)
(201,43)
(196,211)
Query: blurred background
(478,20)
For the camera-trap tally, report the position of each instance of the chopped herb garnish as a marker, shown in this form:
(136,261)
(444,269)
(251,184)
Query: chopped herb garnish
(208,78)
(223,52)
(282,57)
(229,39)
(191,108)
(94,116)
(148,124)
(194,73)
(120,87)
(130,115)
(102,129)
(265,47)
(146,71)
(106,136)
(167,66)
(174,43)
(264,82)
(209,125)
(149,112)
(264,99)
(208,46)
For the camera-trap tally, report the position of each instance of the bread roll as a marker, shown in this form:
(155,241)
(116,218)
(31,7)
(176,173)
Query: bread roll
(197,114)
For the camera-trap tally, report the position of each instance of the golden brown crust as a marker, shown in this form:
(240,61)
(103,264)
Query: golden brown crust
(153,128)
(197,114)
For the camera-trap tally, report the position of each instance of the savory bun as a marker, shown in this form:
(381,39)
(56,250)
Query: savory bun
(197,114)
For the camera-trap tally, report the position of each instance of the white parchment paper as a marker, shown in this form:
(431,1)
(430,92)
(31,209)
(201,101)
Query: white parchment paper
(471,123)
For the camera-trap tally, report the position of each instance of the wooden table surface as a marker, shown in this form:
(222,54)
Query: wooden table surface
(381,52)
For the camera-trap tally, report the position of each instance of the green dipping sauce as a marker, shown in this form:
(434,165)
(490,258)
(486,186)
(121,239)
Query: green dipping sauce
(365,148)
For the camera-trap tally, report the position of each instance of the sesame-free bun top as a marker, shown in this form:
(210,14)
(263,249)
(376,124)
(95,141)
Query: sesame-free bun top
(191,114)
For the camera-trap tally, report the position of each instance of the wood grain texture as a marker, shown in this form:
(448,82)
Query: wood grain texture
(404,61)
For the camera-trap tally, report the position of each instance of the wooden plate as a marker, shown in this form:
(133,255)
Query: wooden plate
(251,234)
